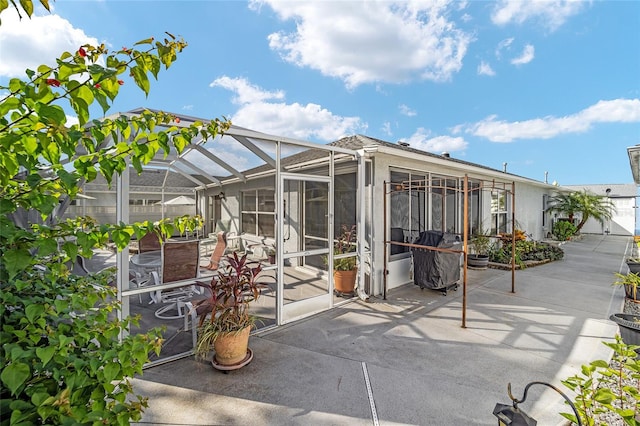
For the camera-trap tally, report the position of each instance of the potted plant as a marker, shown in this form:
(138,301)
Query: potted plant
(630,282)
(634,264)
(271,254)
(224,319)
(344,268)
(480,243)
(629,327)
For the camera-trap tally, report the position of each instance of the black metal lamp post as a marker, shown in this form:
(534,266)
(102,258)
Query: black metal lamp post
(511,415)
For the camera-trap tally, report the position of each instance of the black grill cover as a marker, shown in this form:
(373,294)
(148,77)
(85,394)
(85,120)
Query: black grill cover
(435,269)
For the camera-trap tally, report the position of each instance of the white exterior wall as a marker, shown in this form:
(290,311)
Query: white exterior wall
(622,223)
(530,209)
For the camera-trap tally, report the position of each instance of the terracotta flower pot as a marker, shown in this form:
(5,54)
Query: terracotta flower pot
(231,348)
(344,281)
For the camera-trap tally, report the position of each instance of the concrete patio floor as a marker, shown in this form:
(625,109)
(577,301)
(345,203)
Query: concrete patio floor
(407,360)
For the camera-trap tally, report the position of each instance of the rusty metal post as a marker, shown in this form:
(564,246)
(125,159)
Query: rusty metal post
(513,237)
(465,236)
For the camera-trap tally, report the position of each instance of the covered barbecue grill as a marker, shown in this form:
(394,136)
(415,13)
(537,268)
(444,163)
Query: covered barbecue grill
(433,269)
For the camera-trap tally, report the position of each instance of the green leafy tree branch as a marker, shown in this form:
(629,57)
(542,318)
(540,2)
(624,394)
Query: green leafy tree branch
(62,359)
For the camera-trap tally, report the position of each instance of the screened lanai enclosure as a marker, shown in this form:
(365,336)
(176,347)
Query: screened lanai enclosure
(269,195)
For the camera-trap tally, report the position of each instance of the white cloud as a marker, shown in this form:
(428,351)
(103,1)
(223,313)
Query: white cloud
(528,53)
(405,110)
(614,111)
(439,144)
(504,44)
(549,13)
(39,40)
(229,151)
(386,128)
(71,120)
(485,69)
(246,93)
(309,121)
(370,42)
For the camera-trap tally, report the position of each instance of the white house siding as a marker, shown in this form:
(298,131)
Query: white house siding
(530,211)
(624,198)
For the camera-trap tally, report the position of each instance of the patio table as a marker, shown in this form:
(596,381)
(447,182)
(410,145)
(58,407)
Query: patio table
(150,260)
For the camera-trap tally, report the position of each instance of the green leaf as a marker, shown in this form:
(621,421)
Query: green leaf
(16,260)
(33,312)
(604,396)
(27,5)
(45,354)
(9,104)
(111,371)
(120,238)
(52,114)
(141,79)
(15,375)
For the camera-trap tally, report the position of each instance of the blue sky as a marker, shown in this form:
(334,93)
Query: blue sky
(544,86)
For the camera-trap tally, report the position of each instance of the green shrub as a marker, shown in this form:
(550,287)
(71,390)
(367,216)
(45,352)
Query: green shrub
(563,230)
(65,356)
(526,250)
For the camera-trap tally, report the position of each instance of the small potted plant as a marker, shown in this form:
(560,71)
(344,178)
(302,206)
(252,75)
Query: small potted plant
(480,244)
(345,269)
(630,281)
(271,254)
(634,264)
(224,319)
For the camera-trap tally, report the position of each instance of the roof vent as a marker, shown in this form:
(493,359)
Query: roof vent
(403,143)
(446,154)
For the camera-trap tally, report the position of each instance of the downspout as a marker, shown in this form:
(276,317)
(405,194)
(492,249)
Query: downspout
(384,239)
(361,214)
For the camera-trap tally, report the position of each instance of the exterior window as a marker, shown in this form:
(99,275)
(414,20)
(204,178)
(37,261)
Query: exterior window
(258,212)
(499,212)
(475,210)
(344,205)
(408,209)
(445,209)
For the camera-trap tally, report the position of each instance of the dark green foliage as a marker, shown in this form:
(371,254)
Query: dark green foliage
(61,359)
(563,230)
(65,356)
(525,251)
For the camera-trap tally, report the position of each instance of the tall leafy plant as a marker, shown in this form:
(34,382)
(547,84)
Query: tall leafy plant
(346,243)
(62,357)
(583,204)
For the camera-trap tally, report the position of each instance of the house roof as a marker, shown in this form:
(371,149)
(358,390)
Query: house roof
(628,190)
(634,162)
(367,142)
(150,179)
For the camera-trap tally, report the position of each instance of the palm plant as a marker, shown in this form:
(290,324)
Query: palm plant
(585,204)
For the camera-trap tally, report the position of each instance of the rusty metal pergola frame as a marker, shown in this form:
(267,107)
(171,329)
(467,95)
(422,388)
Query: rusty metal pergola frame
(425,184)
